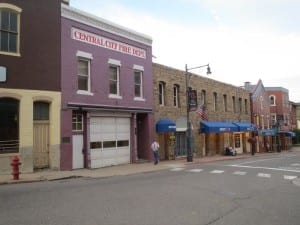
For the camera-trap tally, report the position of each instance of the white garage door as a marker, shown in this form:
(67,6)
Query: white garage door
(109,141)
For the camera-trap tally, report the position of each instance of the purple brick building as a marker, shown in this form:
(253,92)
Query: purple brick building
(107,92)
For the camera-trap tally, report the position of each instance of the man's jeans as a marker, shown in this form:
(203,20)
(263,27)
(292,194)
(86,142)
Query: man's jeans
(155,157)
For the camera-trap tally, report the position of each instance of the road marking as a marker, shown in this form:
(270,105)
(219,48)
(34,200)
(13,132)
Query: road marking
(266,168)
(195,170)
(286,177)
(240,173)
(217,171)
(177,169)
(174,165)
(265,175)
(295,164)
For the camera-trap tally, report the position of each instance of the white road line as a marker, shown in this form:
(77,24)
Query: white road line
(259,160)
(174,165)
(266,168)
(217,171)
(177,169)
(195,170)
(295,164)
(240,173)
(265,175)
(286,177)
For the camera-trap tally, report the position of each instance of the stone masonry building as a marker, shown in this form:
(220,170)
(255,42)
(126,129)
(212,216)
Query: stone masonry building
(223,103)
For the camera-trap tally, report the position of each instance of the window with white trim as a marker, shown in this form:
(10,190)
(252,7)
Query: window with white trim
(272,100)
(273,119)
(9,29)
(138,84)
(83,73)
(203,97)
(77,122)
(114,80)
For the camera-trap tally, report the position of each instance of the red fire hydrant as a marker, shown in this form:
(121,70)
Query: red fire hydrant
(15,163)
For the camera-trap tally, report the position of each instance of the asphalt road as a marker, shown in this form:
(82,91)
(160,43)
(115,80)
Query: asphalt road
(258,191)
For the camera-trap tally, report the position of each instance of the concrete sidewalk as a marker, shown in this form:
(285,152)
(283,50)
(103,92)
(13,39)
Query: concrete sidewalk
(127,169)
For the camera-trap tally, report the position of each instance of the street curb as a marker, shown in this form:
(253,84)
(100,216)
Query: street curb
(172,163)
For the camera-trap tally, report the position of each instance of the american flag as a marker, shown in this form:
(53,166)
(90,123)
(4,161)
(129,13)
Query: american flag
(201,111)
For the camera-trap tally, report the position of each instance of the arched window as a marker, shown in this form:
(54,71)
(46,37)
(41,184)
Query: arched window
(233,104)
(272,100)
(176,95)
(10,29)
(203,97)
(215,101)
(9,125)
(225,102)
(161,89)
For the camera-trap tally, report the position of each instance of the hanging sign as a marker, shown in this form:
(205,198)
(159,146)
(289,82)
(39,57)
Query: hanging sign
(192,100)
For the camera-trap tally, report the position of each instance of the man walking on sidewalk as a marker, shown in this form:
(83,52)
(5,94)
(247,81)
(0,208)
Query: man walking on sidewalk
(155,147)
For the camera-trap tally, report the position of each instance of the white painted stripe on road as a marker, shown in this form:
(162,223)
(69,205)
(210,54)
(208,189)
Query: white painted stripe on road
(217,171)
(265,175)
(295,164)
(266,168)
(286,177)
(177,169)
(240,173)
(195,170)
(261,160)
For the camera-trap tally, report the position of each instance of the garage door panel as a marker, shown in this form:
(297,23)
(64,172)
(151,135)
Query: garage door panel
(122,136)
(123,124)
(122,152)
(96,154)
(109,136)
(114,134)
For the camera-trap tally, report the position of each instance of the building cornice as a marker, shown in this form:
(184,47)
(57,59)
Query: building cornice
(100,23)
(277,89)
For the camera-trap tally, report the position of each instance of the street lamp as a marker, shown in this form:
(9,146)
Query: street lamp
(188,91)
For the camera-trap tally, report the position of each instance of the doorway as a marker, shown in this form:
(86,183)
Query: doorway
(40,135)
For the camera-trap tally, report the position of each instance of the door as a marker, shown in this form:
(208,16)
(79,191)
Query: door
(41,144)
(41,134)
(78,154)
(180,148)
(238,146)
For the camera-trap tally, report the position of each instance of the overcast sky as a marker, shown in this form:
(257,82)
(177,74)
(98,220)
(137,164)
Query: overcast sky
(242,40)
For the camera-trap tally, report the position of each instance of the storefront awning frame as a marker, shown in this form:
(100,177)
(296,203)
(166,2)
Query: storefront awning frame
(165,126)
(217,127)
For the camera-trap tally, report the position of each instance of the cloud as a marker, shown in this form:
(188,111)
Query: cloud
(235,55)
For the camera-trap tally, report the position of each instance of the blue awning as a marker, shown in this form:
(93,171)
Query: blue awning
(217,127)
(290,134)
(165,125)
(245,126)
(268,132)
